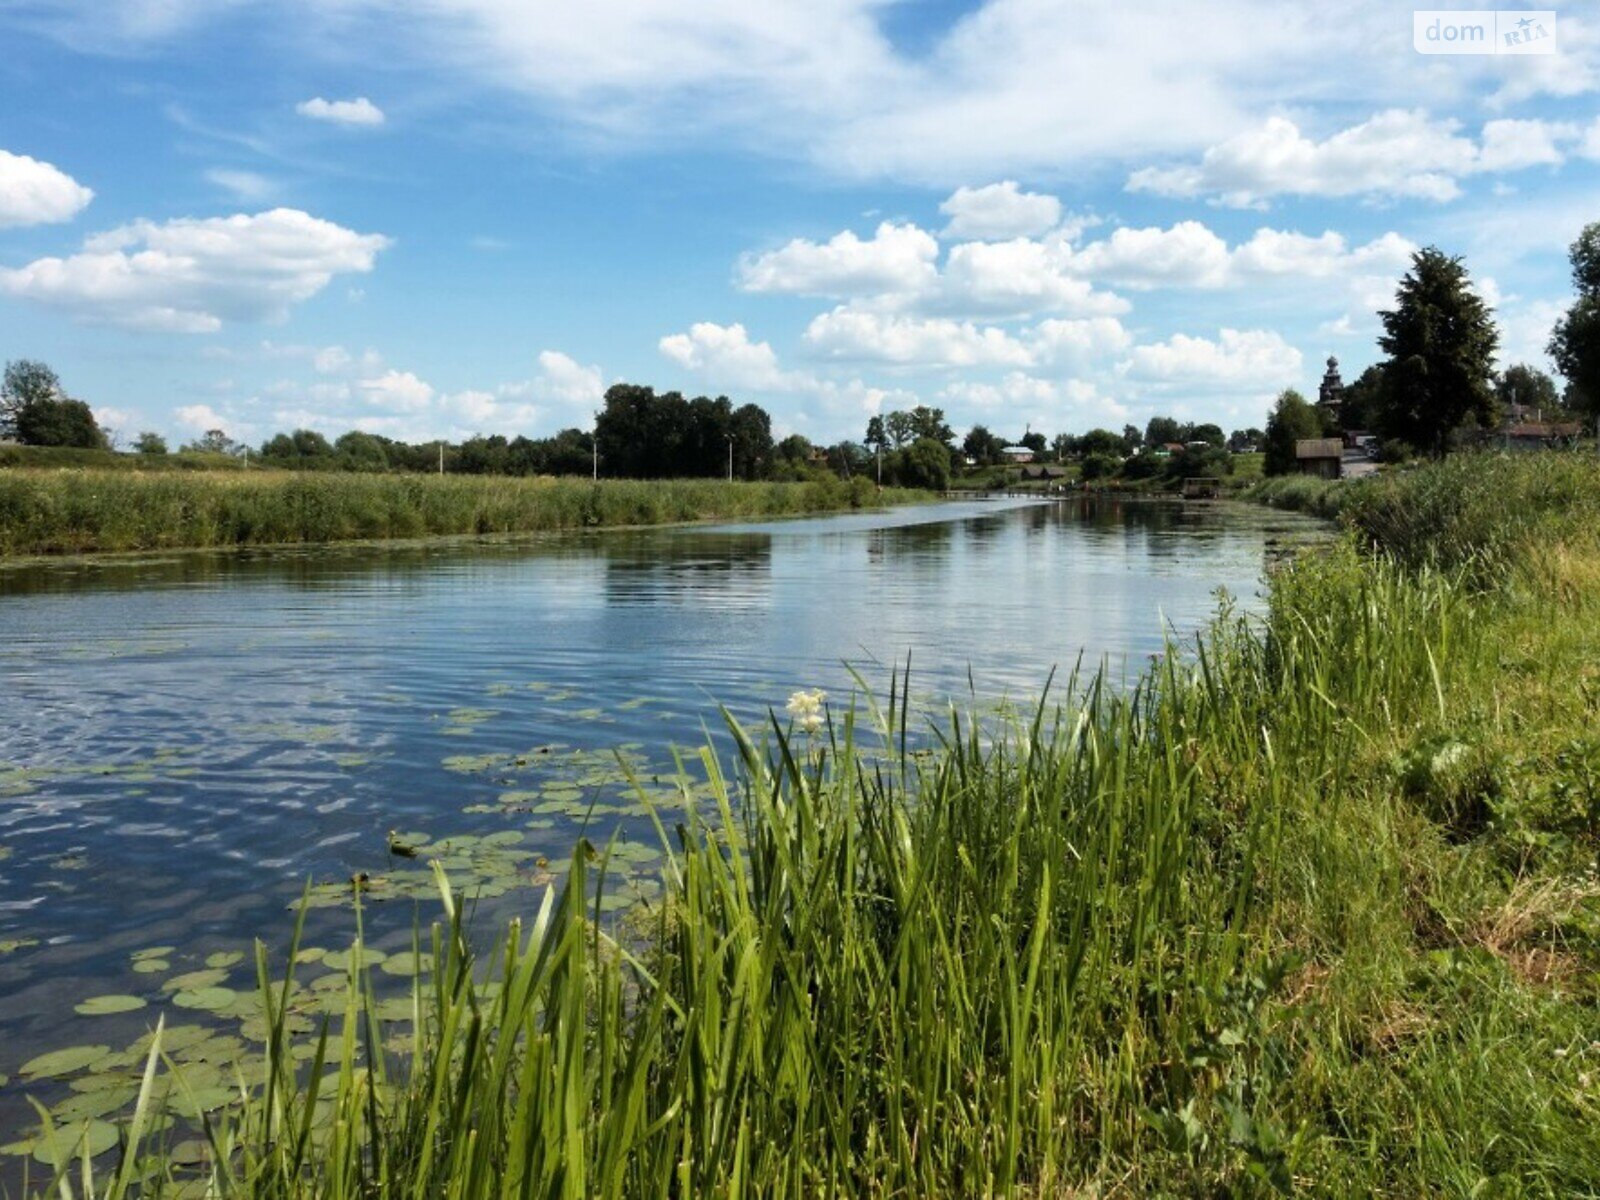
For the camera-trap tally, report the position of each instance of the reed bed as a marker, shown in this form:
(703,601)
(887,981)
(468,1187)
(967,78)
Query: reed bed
(1312,908)
(84,511)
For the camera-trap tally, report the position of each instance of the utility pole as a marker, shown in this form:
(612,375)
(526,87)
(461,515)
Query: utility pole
(594,449)
(730,457)
(441,457)
(880,465)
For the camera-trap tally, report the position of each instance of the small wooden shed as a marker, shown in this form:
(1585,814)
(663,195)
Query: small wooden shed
(1322,457)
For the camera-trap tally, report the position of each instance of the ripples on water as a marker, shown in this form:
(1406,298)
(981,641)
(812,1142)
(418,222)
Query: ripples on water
(186,740)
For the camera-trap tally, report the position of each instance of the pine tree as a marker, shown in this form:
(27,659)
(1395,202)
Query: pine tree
(1440,338)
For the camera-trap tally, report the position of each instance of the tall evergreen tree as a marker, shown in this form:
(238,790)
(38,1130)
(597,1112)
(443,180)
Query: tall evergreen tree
(1440,338)
(1575,341)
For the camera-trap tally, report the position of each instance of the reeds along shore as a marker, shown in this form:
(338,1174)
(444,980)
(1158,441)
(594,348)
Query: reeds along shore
(1311,909)
(84,511)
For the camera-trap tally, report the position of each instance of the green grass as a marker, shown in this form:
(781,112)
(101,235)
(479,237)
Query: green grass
(85,511)
(1312,908)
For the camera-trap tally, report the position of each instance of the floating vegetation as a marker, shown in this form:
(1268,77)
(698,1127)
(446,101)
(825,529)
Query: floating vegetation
(213,999)
(67,1061)
(209,977)
(102,1006)
(12,945)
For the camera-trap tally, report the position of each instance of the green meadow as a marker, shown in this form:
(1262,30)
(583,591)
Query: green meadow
(1312,908)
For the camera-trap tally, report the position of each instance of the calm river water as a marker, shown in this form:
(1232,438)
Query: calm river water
(185,741)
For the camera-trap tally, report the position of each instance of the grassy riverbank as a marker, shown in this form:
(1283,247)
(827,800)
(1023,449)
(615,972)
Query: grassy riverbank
(1313,909)
(86,511)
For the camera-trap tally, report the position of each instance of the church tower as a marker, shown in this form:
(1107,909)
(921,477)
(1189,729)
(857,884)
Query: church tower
(1330,396)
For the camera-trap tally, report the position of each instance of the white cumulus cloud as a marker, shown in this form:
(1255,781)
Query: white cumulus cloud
(1258,358)
(1018,278)
(870,336)
(202,417)
(191,275)
(1188,254)
(726,355)
(397,391)
(562,378)
(998,212)
(897,258)
(36,193)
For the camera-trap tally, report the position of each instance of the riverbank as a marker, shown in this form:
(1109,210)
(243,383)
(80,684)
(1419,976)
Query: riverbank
(93,511)
(1314,908)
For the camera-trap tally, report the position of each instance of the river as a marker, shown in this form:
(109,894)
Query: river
(188,739)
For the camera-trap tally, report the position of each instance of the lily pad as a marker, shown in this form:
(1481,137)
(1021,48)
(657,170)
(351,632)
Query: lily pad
(225,958)
(191,981)
(104,1006)
(62,1062)
(12,945)
(89,1106)
(202,1100)
(209,998)
(340,960)
(191,1153)
(69,1144)
(152,966)
(407,963)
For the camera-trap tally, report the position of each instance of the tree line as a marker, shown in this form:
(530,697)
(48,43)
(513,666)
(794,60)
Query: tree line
(1436,387)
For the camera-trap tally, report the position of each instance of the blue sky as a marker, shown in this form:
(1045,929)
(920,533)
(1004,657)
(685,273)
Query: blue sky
(439,217)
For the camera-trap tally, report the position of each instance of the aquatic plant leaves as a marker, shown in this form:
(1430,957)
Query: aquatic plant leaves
(101,1006)
(62,1062)
(407,963)
(192,980)
(67,1144)
(210,998)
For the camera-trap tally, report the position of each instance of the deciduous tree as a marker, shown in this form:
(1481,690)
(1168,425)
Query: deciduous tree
(1525,387)
(25,382)
(1291,420)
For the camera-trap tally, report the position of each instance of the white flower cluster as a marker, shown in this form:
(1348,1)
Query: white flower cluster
(806,709)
